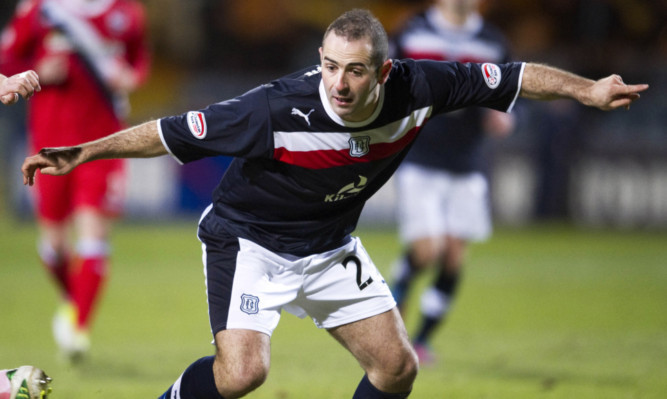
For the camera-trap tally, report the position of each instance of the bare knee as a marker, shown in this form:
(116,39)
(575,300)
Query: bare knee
(396,374)
(237,380)
(424,252)
(241,362)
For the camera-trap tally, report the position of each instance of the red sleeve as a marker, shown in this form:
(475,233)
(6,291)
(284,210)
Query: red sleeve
(138,51)
(17,49)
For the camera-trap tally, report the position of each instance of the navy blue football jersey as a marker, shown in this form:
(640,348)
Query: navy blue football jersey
(454,141)
(301,174)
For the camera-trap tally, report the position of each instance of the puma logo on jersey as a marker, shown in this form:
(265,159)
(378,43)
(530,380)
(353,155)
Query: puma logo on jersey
(298,112)
(348,191)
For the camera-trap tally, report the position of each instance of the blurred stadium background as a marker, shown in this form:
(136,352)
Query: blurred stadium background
(566,162)
(548,310)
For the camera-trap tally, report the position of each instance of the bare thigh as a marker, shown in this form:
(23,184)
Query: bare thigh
(382,347)
(92,224)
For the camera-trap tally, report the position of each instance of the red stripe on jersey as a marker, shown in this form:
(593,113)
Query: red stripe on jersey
(322,159)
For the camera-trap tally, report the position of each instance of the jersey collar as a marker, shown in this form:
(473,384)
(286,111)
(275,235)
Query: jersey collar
(334,116)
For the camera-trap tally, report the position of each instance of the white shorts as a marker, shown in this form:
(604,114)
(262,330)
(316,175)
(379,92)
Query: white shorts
(333,288)
(433,203)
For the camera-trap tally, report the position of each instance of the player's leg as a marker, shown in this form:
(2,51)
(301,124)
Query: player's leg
(53,208)
(92,254)
(344,292)
(436,301)
(419,255)
(96,191)
(88,272)
(244,309)
(54,252)
(467,219)
(242,361)
(420,224)
(381,346)
(240,365)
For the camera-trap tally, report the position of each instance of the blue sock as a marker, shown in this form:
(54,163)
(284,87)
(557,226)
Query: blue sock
(196,382)
(366,390)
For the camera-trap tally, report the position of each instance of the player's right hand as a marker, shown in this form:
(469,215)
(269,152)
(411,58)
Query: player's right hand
(50,161)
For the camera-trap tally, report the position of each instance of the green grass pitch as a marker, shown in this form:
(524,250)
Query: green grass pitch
(543,312)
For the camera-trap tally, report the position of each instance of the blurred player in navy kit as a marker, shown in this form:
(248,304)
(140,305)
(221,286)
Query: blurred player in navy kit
(442,190)
(310,149)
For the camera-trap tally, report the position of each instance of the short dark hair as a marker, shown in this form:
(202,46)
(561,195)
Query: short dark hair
(357,24)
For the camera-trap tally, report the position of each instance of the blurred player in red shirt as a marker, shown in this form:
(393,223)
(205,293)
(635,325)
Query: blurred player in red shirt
(89,54)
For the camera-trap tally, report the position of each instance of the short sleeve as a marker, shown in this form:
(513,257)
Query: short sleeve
(240,127)
(457,85)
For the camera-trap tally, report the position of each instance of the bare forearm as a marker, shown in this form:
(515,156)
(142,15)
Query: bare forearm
(542,82)
(141,141)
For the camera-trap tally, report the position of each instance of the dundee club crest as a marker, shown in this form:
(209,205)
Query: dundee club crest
(359,146)
(249,304)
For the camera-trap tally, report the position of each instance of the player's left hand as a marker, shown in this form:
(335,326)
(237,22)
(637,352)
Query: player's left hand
(123,79)
(24,85)
(611,93)
(50,161)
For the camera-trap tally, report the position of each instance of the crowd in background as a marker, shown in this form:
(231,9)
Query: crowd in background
(208,50)
(269,37)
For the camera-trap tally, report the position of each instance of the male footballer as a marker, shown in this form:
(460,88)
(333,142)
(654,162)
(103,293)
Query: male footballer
(309,150)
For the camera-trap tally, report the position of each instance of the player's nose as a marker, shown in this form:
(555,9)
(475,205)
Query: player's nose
(340,83)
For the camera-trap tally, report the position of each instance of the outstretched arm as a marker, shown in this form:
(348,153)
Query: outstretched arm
(542,82)
(23,84)
(141,141)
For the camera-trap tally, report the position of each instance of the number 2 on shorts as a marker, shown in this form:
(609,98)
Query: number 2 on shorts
(356,261)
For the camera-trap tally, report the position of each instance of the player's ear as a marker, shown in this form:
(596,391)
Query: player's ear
(384,71)
(321,59)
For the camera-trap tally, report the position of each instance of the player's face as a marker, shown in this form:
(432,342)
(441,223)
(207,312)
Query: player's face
(351,81)
(462,7)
